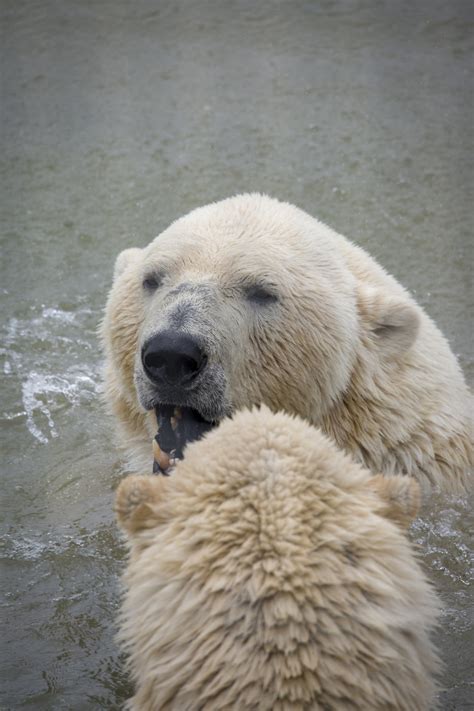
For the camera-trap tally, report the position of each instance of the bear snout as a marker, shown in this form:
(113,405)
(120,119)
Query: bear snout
(173,359)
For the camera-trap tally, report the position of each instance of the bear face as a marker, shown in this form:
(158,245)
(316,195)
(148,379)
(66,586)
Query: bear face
(252,301)
(257,316)
(271,571)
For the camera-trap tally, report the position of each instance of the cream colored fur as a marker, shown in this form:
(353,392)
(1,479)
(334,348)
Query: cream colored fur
(346,347)
(272,572)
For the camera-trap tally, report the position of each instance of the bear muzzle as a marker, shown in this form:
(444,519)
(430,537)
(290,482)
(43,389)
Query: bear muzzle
(185,390)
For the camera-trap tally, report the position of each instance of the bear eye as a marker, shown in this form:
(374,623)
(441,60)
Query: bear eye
(259,294)
(152,282)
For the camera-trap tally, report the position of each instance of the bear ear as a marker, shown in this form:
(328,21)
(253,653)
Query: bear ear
(392,322)
(124,259)
(138,500)
(401,497)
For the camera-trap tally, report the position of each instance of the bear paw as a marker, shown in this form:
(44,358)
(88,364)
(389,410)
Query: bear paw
(137,500)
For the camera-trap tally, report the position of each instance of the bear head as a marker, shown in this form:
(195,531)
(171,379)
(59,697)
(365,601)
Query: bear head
(243,302)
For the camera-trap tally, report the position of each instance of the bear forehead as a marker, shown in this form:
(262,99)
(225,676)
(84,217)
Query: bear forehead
(248,230)
(219,253)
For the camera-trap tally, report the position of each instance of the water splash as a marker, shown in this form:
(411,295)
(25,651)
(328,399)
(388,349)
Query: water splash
(35,350)
(44,393)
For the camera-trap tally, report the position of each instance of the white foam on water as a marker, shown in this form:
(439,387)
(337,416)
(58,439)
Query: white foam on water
(43,393)
(442,533)
(65,316)
(39,346)
(55,542)
(30,391)
(23,549)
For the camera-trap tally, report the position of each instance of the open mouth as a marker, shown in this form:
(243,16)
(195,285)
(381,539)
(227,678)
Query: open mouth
(176,427)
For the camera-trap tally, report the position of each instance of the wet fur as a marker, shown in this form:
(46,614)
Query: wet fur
(271,571)
(345,347)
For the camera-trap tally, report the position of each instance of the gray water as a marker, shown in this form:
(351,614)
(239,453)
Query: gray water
(117,117)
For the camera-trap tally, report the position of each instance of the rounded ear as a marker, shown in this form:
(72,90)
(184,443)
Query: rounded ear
(401,497)
(393,322)
(124,259)
(137,502)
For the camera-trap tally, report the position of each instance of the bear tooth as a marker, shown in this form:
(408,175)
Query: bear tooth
(159,456)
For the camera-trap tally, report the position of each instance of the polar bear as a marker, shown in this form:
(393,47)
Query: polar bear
(251,300)
(271,571)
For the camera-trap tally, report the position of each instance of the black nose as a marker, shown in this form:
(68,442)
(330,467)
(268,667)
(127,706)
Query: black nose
(172,358)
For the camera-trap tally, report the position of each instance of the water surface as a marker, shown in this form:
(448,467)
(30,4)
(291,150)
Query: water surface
(118,117)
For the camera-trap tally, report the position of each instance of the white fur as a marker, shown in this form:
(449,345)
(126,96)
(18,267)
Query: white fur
(347,348)
(272,572)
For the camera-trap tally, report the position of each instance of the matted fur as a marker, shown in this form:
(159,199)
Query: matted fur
(271,572)
(345,347)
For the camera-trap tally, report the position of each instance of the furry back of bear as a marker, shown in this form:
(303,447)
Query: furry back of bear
(272,572)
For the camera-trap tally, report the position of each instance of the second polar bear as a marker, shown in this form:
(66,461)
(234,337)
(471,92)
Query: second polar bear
(271,571)
(251,300)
